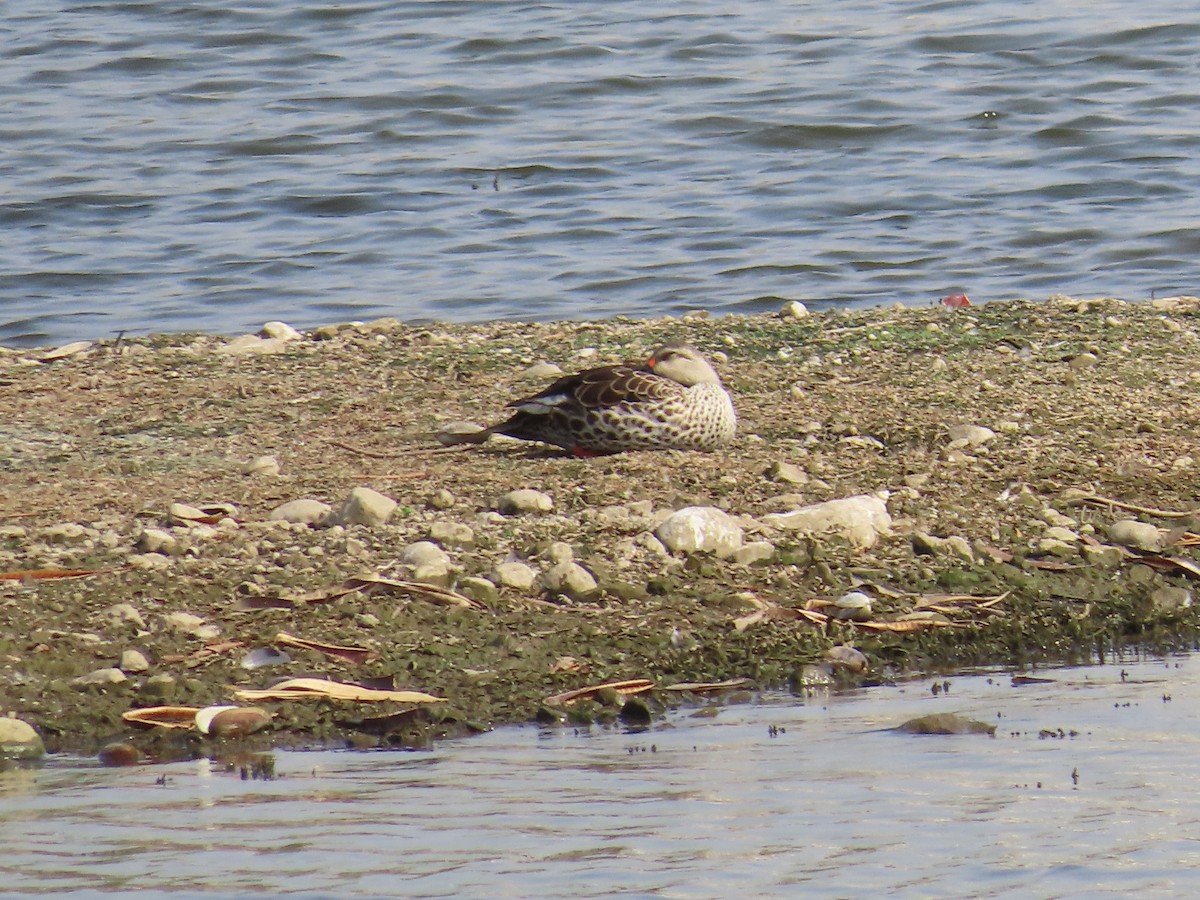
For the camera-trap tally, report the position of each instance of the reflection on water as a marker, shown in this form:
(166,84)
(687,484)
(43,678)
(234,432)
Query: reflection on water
(1086,787)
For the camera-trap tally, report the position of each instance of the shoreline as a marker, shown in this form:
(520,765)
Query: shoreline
(1004,441)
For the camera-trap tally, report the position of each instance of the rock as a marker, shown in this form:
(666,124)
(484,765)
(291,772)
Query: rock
(558,552)
(302,512)
(543,371)
(1103,555)
(99,678)
(424,553)
(945,723)
(452,534)
(450,432)
(524,500)
(793,309)
(65,350)
(66,533)
(970,435)
(1083,361)
(853,606)
(191,624)
(433,573)
(119,753)
(572,580)
(700,529)
(753,552)
(1171,599)
(279,331)
(133,661)
(515,575)
(19,740)
(159,687)
(125,614)
(477,588)
(231,721)
(786,472)
(440,499)
(1060,533)
(262,466)
(1139,535)
(252,344)
(157,540)
(861,519)
(1048,546)
(847,659)
(365,507)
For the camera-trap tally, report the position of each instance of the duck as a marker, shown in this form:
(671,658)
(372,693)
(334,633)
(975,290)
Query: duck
(674,401)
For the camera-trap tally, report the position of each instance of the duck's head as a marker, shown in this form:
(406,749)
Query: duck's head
(682,364)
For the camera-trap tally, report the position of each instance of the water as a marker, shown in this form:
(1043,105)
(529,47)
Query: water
(700,807)
(175,165)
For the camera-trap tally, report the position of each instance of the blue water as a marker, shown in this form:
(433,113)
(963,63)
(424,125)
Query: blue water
(171,165)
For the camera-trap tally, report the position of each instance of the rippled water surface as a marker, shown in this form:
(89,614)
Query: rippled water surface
(1087,789)
(171,164)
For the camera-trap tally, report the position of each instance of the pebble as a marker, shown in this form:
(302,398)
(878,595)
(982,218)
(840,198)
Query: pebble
(753,552)
(846,658)
(365,506)
(515,575)
(524,500)
(279,331)
(99,678)
(542,371)
(701,529)
(231,721)
(440,499)
(477,588)
(263,466)
(19,740)
(192,624)
(861,519)
(559,552)
(159,687)
(125,614)
(133,661)
(793,309)
(424,553)
(853,606)
(158,540)
(1060,533)
(571,580)
(1084,361)
(1171,599)
(788,473)
(302,512)
(452,534)
(66,533)
(1139,535)
(65,350)
(970,435)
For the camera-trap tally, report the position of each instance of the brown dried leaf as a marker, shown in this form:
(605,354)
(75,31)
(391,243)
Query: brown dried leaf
(309,688)
(706,687)
(356,655)
(381,585)
(904,627)
(163,716)
(43,574)
(1170,564)
(627,688)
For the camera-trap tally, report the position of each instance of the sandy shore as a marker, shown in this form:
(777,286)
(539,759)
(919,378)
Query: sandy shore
(1004,441)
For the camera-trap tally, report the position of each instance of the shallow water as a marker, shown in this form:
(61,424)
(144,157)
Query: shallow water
(832,805)
(173,165)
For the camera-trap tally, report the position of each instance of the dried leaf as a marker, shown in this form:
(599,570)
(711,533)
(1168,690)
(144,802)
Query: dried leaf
(163,716)
(356,655)
(706,687)
(379,585)
(566,664)
(626,688)
(309,688)
(42,574)
(1170,564)
(904,627)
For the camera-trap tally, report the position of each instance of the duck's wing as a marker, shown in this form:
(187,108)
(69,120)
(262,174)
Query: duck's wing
(598,388)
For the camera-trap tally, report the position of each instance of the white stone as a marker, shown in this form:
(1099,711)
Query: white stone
(424,553)
(66,533)
(523,501)
(1139,535)
(19,740)
(970,435)
(515,575)
(265,466)
(862,519)
(156,540)
(794,309)
(755,551)
(365,507)
(305,511)
(133,661)
(571,579)
(280,331)
(542,371)
(125,613)
(99,677)
(452,534)
(701,529)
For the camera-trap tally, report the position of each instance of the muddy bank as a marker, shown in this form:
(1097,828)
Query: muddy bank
(1005,441)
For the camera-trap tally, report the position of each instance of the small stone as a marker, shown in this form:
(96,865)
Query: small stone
(1139,535)
(1053,547)
(99,678)
(19,740)
(515,575)
(159,687)
(156,540)
(753,552)
(424,553)
(133,661)
(787,472)
(543,371)
(970,435)
(435,573)
(854,606)
(125,614)
(279,331)
(186,622)
(452,534)
(861,519)
(326,332)
(701,529)
(524,500)
(946,723)
(1084,361)
(847,659)
(1104,556)
(477,588)
(365,507)
(1171,599)
(65,350)
(1060,533)
(66,533)
(302,512)
(793,309)
(449,433)
(262,466)
(119,753)
(559,552)
(440,499)
(572,580)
